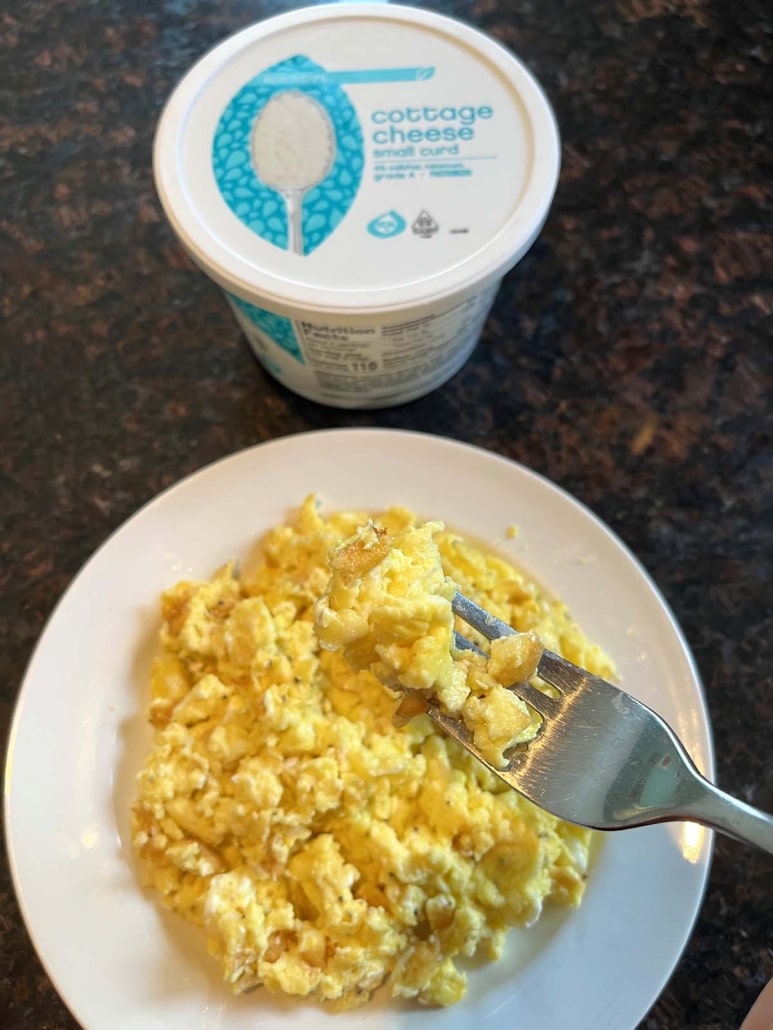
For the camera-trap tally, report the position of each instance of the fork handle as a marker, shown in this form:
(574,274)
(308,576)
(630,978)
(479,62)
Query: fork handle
(720,811)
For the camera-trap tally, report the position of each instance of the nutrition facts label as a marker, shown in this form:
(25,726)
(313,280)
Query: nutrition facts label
(394,358)
(362,366)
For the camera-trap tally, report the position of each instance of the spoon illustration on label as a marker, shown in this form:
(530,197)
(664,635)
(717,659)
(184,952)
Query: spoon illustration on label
(293,149)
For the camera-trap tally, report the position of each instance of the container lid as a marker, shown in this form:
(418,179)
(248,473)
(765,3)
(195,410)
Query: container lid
(356,158)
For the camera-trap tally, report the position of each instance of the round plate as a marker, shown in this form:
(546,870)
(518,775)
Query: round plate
(79,736)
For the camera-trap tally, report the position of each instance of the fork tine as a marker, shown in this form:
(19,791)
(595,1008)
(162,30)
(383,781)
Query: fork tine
(454,727)
(463,644)
(547,706)
(484,622)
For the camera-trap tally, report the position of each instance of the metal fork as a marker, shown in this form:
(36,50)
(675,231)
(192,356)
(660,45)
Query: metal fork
(601,758)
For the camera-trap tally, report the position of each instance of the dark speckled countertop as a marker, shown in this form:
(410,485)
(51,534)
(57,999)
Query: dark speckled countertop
(627,357)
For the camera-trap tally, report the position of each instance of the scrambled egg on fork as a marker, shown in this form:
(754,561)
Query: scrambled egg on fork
(323,851)
(388,607)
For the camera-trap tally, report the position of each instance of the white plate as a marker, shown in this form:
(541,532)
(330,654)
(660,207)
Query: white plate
(79,736)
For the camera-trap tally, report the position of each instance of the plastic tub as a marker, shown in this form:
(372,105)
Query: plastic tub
(358,178)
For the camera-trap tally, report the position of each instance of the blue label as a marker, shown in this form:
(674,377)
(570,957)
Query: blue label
(266,210)
(276,327)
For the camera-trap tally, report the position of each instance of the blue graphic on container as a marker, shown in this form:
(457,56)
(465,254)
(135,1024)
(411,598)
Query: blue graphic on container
(289,213)
(387,225)
(278,328)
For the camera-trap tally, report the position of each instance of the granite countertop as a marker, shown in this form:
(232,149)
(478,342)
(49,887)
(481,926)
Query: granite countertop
(627,357)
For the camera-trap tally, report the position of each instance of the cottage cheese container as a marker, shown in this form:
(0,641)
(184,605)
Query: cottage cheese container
(358,178)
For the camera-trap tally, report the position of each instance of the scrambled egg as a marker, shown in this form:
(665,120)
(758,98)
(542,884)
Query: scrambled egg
(388,608)
(323,851)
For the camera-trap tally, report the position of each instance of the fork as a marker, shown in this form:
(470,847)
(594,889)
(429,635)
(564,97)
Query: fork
(601,758)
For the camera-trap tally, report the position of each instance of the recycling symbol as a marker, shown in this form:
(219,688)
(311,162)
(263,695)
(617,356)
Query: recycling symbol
(424,225)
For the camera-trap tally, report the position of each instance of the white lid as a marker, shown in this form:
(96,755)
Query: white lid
(356,158)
